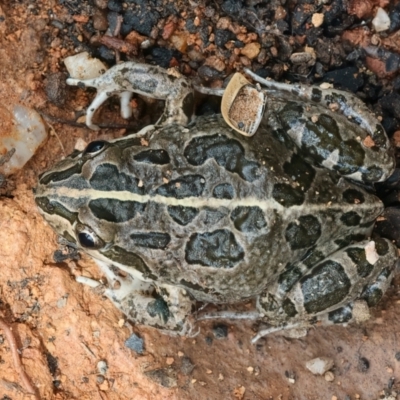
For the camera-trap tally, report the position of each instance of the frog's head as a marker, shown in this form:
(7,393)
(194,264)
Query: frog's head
(72,195)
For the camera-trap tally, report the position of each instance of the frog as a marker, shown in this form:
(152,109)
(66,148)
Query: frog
(192,210)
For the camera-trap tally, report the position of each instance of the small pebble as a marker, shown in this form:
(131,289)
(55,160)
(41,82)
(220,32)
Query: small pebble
(187,366)
(104,386)
(165,377)
(329,376)
(317,19)
(381,22)
(135,343)
(170,360)
(319,365)
(251,50)
(102,367)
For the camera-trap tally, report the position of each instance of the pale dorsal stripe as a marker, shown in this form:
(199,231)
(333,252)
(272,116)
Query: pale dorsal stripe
(199,202)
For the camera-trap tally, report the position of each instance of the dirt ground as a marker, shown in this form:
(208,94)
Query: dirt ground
(72,340)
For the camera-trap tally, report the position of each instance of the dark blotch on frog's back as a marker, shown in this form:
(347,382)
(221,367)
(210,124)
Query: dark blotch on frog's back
(381,246)
(188,104)
(151,240)
(248,219)
(158,157)
(373,293)
(224,191)
(353,196)
(300,171)
(320,139)
(107,177)
(379,137)
(56,208)
(327,286)
(359,258)
(316,95)
(373,174)
(287,195)
(146,86)
(350,218)
(303,233)
(114,210)
(289,278)
(122,256)
(341,315)
(345,241)
(228,153)
(59,176)
(182,215)
(289,308)
(185,186)
(218,249)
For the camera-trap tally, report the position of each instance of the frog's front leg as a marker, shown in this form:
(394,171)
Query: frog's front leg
(148,80)
(164,307)
(327,293)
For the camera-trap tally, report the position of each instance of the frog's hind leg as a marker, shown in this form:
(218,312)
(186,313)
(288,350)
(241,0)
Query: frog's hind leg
(332,290)
(332,128)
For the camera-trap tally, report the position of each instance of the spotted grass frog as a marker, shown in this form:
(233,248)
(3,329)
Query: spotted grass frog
(192,210)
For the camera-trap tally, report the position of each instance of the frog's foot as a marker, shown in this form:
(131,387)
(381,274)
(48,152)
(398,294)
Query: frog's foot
(148,80)
(164,307)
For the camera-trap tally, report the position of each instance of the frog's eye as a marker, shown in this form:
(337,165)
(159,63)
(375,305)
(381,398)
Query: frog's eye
(95,147)
(242,105)
(87,238)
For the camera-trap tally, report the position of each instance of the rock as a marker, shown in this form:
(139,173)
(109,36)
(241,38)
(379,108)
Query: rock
(209,73)
(346,78)
(381,22)
(83,66)
(317,19)
(55,88)
(187,366)
(165,377)
(329,376)
(303,58)
(135,343)
(251,50)
(102,367)
(319,365)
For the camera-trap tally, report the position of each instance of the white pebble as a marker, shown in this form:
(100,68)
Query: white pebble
(83,66)
(381,22)
(102,367)
(27,133)
(319,365)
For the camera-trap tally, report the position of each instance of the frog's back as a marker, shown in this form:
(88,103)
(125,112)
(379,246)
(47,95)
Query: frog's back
(217,213)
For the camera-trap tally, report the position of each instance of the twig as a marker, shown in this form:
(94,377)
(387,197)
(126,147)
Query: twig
(17,361)
(54,119)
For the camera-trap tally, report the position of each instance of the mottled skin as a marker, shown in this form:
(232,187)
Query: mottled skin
(203,213)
